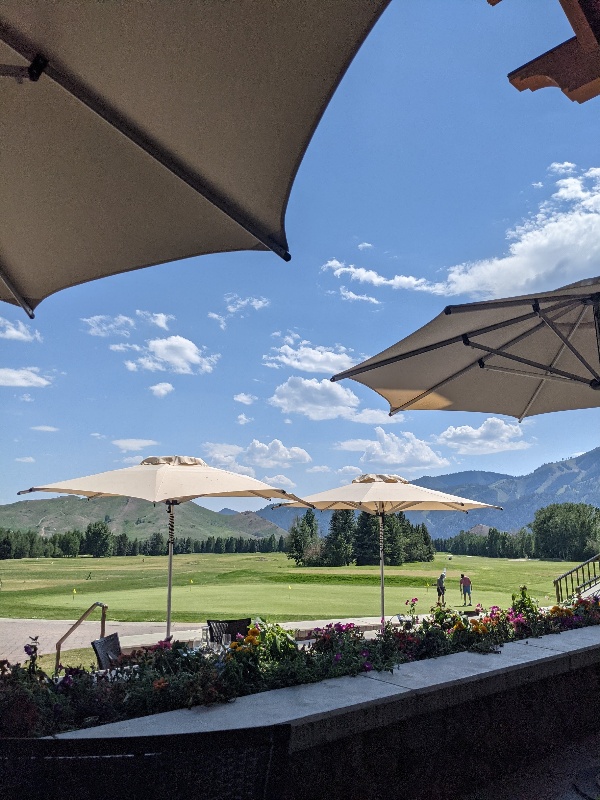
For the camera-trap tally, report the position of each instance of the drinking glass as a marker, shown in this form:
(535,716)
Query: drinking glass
(205,638)
(226,640)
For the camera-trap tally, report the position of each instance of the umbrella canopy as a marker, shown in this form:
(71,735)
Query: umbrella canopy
(170,480)
(387,494)
(519,356)
(138,133)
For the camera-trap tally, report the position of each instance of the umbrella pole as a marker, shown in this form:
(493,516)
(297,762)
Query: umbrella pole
(381,571)
(170,551)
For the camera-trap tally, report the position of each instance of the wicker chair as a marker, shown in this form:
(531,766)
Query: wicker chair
(108,650)
(217,627)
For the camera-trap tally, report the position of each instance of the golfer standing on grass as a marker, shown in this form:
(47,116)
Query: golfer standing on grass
(465,588)
(441,589)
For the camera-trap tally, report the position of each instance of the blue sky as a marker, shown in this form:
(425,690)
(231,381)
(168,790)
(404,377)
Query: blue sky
(429,178)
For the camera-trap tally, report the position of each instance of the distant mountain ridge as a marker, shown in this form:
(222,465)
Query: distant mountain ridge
(137,518)
(573,480)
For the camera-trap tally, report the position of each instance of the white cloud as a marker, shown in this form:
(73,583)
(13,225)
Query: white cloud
(162,389)
(133,445)
(131,460)
(98,435)
(159,319)
(351,297)
(26,460)
(122,347)
(279,482)
(274,454)
(242,419)
(321,468)
(561,168)
(257,454)
(402,450)
(26,398)
(365,246)
(17,332)
(302,356)
(556,245)
(349,471)
(537,185)
(27,376)
(493,436)
(321,400)
(45,428)
(244,398)
(234,304)
(174,354)
(102,325)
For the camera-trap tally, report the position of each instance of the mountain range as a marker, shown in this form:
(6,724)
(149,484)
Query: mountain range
(573,480)
(137,518)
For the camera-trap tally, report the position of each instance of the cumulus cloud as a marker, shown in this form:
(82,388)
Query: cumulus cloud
(557,244)
(103,325)
(27,376)
(26,460)
(402,450)
(26,398)
(305,357)
(98,435)
(133,445)
(159,319)
(321,400)
(17,332)
(279,481)
(321,468)
(351,297)
(244,398)
(234,304)
(174,354)
(256,454)
(365,246)
(349,471)
(162,389)
(242,419)
(493,436)
(45,428)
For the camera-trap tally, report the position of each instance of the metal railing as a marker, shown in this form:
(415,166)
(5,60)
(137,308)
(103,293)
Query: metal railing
(578,579)
(84,616)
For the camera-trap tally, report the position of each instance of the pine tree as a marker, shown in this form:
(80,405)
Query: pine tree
(339,542)
(366,540)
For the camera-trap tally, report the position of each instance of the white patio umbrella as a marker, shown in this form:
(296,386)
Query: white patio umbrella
(138,133)
(387,494)
(171,480)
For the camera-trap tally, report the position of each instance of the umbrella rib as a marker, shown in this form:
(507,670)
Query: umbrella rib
(349,373)
(540,386)
(15,292)
(567,343)
(560,299)
(134,134)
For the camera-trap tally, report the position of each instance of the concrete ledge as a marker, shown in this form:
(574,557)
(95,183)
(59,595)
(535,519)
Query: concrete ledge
(426,717)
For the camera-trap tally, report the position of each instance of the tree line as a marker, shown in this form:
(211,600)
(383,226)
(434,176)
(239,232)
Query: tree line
(353,539)
(565,531)
(99,542)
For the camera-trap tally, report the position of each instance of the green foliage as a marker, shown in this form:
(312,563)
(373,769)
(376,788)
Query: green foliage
(303,545)
(569,531)
(339,542)
(97,540)
(165,677)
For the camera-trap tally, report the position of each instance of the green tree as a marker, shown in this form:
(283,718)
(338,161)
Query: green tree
(338,546)
(98,540)
(157,545)
(569,531)
(303,537)
(366,540)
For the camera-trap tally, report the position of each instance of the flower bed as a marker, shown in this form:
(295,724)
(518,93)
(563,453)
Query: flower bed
(170,676)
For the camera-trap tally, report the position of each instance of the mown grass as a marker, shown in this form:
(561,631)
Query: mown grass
(270,586)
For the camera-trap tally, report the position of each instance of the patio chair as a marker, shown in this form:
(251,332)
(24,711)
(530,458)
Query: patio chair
(217,627)
(108,650)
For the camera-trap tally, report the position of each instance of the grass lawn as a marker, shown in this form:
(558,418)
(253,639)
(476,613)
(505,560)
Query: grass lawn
(240,585)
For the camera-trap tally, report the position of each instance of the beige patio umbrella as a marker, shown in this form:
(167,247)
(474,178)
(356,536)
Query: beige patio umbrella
(137,133)
(171,480)
(387,494)
(519,356)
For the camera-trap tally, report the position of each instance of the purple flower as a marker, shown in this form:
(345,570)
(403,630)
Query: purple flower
(337,657)
(367,666)
(364,653)
(30,649)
